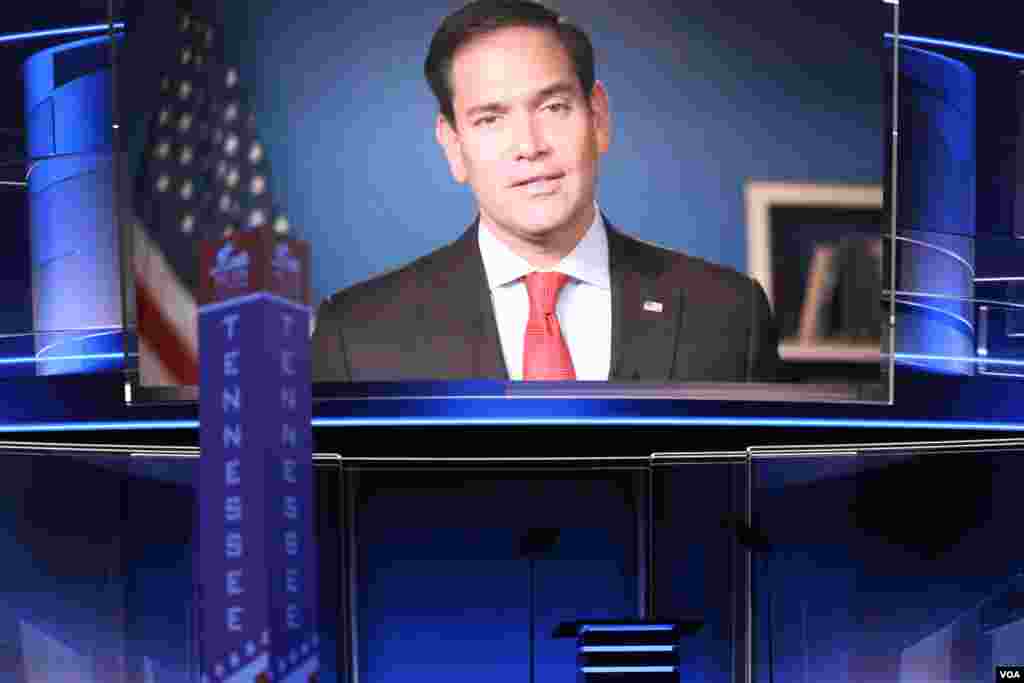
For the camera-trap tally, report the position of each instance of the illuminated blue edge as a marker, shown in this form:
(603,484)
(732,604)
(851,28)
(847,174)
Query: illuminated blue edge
(52,32)
(626,627)
(627,648)
(969,47)
(117,355)
(985,360)
(131,425)
(627,669)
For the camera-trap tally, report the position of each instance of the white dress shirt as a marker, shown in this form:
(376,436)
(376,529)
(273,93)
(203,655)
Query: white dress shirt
(584,306)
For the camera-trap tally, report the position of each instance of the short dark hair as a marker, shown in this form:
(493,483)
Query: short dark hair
(485,16)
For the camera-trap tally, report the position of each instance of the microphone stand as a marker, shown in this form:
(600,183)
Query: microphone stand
(759,546)
(535,543)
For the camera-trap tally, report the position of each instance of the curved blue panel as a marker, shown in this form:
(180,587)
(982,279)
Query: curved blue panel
(938,156)
(936,210)
(74,246)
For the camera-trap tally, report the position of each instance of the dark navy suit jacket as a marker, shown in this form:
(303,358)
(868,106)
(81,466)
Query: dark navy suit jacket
(434,319)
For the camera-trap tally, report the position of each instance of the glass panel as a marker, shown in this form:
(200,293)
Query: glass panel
(445,562)
(444,589)
(894,566)
(99,566)
(700,563)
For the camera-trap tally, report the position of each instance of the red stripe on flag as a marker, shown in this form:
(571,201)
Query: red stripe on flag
(164,338)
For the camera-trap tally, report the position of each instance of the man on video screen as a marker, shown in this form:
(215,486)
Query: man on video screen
(542,285)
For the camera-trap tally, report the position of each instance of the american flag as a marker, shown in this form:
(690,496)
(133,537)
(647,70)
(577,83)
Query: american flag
(205,175)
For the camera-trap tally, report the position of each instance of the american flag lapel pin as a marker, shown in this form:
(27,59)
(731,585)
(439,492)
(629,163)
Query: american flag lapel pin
(653,306)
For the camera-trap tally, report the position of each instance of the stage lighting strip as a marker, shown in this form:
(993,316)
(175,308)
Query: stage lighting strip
(83,356)
(132,425)
(938,42)
(627,648)
(626,627)
(953,297)
(627,669)
(53,32)
(929,447)
(937,448)
(899,357)
(97,356)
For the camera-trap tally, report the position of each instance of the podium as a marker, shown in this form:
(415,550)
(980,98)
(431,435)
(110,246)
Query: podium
(633,650)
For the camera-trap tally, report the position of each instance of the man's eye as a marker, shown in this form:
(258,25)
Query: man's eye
(485,121)
(558,107)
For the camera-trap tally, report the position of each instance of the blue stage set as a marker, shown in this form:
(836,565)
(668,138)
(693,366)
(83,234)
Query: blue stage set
(271,528)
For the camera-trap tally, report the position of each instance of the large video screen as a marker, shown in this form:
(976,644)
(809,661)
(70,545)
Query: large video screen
(575,199)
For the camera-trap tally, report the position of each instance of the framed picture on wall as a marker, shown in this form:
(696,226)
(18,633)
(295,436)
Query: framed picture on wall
(816,249)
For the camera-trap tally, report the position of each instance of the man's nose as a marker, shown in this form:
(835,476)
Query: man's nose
(530,141)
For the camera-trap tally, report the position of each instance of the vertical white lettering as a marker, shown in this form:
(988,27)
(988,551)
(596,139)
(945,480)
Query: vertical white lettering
(234,582)
(231,363)
(230,323)
(232,398)
(288,398)
(231,474)
(291,507)
(233,436)
(233,545)
(234,618)
(291,580)
(287,321)
(288,363)
(289,471)
(288,436)
(291,543)
(293,617)
(233,509)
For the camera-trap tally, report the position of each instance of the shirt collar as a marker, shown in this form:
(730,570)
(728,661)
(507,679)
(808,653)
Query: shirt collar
(587,262)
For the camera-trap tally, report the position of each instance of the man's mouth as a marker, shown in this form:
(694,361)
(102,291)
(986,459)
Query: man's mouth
(538,179)
(541,184)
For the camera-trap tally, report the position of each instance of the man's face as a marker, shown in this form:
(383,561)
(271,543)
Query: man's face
(525,138)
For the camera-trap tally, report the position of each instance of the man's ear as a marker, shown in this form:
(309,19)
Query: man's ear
(449,141)
(601,112)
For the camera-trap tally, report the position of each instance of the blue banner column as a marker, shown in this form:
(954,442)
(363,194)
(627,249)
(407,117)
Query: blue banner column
(257,560)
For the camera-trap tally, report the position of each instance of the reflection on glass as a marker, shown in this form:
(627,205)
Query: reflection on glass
(884,565)
(99,567)
(887,567)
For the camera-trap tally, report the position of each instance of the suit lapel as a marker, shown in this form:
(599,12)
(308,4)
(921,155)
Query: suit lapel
(468,312)
(647,311)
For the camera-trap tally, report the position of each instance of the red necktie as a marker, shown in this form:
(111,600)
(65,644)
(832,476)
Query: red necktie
(545,355)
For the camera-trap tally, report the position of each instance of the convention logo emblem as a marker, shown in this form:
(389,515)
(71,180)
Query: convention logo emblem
(231,271)
(287,269)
